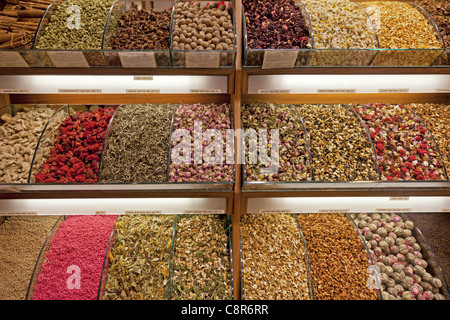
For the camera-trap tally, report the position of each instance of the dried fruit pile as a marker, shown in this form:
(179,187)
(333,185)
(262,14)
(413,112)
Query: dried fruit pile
(21,240)
(276,25)
(139,259)
(77,151)
(404,272)
(405,149)
(129,156)
(291,161)
(19,136)
(201,259)
(439,11)
(73,265)
(340,147)
(200,152)
(274,258)
(339,261)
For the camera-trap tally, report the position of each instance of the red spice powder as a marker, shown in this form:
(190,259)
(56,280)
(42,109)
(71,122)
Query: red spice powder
(77,151)
(81,242)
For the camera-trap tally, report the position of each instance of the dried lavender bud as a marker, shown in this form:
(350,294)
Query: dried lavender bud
(137,148)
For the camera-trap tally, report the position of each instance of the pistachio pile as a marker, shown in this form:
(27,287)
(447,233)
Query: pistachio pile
(201,259)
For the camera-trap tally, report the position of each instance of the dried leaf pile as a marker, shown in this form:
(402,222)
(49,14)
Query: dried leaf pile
(201,259)
(21,239)
(140,257)
(274,258)
(138,145)
(338,258)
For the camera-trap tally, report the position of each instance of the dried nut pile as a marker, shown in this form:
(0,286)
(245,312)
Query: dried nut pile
(137,148)
(21,241)
(437,120)
(340,147)
(340,24)
(400,25)
(395,251)
(200,150)
(139,258)
(78,148)
(142,30)
(274,258)
(404,147)
(57,34)
(339,260)
(439,10)
(19,136)
(203,26)
(201,259)
(276,25)
(291,162)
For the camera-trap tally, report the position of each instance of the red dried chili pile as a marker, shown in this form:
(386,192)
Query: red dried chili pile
(77,151)
(74,261)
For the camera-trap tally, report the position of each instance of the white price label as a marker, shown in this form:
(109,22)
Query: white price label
(202,59)
(398,198)
(445,210)
(146,78)
(143,91)
(203,211)
(205,91)
(393,209)
(143,211)
(334,210)
(274,91)
(79,90)
(275,211)
(12,59)
(19,213)
(14,90)
(439,90)
(336,90)
(405,90)
(100,212)
(68,59)
(137,59)
(274,59)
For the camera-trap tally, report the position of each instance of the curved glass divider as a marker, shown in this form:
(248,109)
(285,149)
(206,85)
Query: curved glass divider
(106,142)
(443,60)
(132,58)
(230,244)
(257,57)
(204,58)
(41,258)
(307,142)
(428,255)
(210,185)
(65,58)
(377,283)
(366,130)
(169,148)
(104,273)
(432,137)
(311,282)
(242,269)
(175,222)
(46,141)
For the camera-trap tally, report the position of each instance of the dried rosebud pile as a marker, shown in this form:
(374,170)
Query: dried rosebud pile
(405,149)
(293,162)
(139,259)
(201,259)
(276,25)
(338,257)
(340,147)
(274,259)
(142,30)
(211,153)
(77,151)
(437,120)
(137,147)
(403,272)
(74,263)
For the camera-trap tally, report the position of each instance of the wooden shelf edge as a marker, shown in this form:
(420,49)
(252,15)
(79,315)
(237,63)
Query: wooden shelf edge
(349,70)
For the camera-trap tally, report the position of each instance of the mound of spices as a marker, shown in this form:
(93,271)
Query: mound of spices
(19,136)
(74,262)
(338,257)
(77,151)
(404,147)
(340,147)
(405,273)
(142,30)
(439,10)
(138,145)
(435,116)
(201,131)
(139,260)
(57,34)
(276,25)
(201,259)
(291,162)
(21,240)
(274,258)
